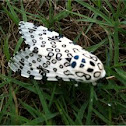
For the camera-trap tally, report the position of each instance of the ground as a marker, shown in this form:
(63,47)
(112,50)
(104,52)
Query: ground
(97,26)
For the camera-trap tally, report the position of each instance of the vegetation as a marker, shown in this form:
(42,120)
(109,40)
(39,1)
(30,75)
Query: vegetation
(98,26)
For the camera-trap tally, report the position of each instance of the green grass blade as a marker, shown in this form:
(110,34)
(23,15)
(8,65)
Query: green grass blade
(52,96)
(11,13)
(22,84)
(18,45)
(6,48)
(4,110)
(101,116)
(96,11)
(95,47)
(122,105)
(42,2)
(121,73)
(4,83)
(40,17)
(21,118)
(123,96)
(80,114)
(13,106)
(87,30)
(40,120)
(110,6)
(109,56)
(30,109)
(63,117)
(116,44)
(90,108)
(117,76)
(42,99)
(24,16)
(98,3)
(61,15)
(68,5)
(89,27)
(118,11)
(88,19)
(51,14)
(2,31)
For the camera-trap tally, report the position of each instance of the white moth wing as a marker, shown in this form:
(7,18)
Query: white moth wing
(31,64)
(44,39)
(36,34)
(53,57)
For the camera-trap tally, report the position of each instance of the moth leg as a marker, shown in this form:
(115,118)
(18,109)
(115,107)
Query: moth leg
(94,83)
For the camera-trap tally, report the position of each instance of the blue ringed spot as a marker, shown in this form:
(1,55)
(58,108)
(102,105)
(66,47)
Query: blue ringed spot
(73,64)
(83,61)
(81,65)
(76,57)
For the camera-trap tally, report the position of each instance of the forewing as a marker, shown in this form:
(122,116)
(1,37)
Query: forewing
(37,66)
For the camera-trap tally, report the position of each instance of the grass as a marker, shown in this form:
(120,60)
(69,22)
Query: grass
(98,26)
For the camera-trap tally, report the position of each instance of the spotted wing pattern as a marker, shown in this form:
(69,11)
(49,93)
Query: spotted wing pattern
(50,56)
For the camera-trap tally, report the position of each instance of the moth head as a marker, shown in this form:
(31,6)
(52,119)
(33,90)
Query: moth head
(94,67)
(88,67)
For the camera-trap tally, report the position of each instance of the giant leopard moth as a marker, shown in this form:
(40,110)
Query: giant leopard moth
(53,57)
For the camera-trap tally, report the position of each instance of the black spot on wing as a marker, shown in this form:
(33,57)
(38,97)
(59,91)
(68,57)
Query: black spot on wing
(100,66)
(18,71)
(42,45)
(94,58)
(75,50)
(92,63)
(90,70)
(33,61)
(40,34)
(54,61)
(26,57)
(43,42)
(58,56)
(21,63)
(30,64)
(67,72)
(57,50)
(32,36)
(69,55)
(81,75)
(97,74)
(59,78)
(54,69)
(66,51)
(34,40)
(63,45)
(38,59)
(61,66)
(35,50)
(49,49)
(40,56)
(66,64)
(28,72)
(48,57)
(31,54)
(81,65)
(68,59)
(50,54)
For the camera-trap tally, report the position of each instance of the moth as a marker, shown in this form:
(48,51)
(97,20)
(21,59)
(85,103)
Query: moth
(50,56)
